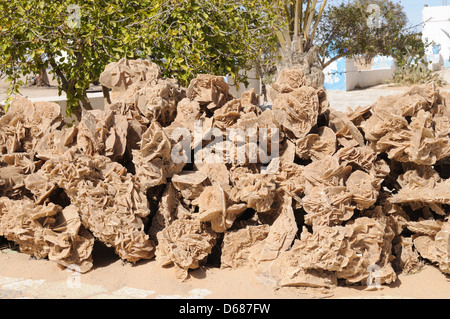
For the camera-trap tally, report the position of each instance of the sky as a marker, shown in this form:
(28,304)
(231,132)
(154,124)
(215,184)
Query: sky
(413,8)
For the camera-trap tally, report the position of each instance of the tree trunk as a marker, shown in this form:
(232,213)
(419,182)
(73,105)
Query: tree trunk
(308,61)
(106,96)
(69,87)
(85,101)
(42,79)
(77,112)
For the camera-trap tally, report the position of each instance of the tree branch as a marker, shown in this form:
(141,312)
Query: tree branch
(324,65)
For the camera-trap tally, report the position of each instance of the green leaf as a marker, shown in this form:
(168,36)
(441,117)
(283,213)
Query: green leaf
(183,37)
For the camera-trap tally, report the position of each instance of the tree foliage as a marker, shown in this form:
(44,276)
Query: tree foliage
(218,37)
(367,28)
(77,39)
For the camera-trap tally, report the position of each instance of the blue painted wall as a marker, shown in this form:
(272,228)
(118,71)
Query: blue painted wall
(335,75)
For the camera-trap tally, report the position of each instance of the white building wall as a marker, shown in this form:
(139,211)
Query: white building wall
(368,78)
(253,80)
(350,77)
(437,19)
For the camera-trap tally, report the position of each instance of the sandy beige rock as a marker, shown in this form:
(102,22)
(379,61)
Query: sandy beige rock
(316,146)
(254,139)
(216,207)
(281,235)
(278,264)
(297,111)
(227,115)
(159,102)
(47,231)
(187,113)
(325,172)
(137,122)
(331,205)
(359,114)
(349,250)
(20,223)
(167,211)
(403,126)
(185,243)
(361,185)
(242,247)
(249,101)
(258,120)
(406,257)
(442,242)
(286,271)
(26,123)
(435,248)
(363,157)
(298,277)
(154,159)
(171,172)
(41,186)
(255,189)
(347,134)
(11,181)
(111,204)
(102,133)
(14,168)
(139,83)
(125,77)
(217,173)
(415,144)
(288,80)
(291,179)
(55,143)
(423,187)
(72,243)
(397,215)
(425,227)
(190,183)
(209,91)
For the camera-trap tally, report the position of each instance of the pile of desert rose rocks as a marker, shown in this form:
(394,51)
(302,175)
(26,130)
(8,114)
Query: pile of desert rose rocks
(301,193)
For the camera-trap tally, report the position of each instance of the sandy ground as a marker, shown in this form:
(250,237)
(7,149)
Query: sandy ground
(341,100)
(24,277)
(111,278)
(37,92)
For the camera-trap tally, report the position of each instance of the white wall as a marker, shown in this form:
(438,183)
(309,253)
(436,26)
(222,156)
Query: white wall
(439,19)
(374,77)
(254,83)
(355,78)
(352,75)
